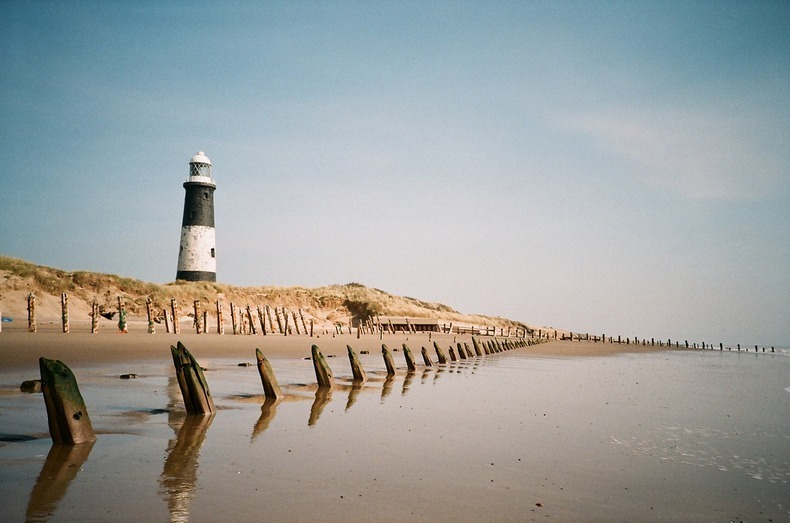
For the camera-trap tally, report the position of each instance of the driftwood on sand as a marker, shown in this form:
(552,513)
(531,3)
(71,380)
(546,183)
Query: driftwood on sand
(193,385)
(67,416)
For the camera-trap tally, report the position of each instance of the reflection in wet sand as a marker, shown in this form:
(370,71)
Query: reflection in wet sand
(353,392)
(407,382)
(425,374)
(322,397)
(268,410)
(60,468)
(387,388)
(179,475)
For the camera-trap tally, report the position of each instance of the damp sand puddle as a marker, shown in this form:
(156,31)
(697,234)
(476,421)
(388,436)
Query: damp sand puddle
(666,435)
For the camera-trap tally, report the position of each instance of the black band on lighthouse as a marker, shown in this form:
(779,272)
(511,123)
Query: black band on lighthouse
(198,204)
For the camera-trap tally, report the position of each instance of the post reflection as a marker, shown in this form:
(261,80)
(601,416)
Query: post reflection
(407,382)
(353,392)
(61,466)
(179,475)
(268,410)
(387,388)
(322,396)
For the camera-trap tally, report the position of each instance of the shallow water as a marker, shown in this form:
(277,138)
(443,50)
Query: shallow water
(682,435)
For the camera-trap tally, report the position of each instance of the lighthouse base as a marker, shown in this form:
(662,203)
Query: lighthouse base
(196,276)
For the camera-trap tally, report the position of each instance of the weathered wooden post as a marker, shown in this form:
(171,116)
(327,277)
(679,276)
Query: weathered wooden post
(279,322)
(323,373)
(268,311)
(220,319)
(311,327)
(441,358)
(193,385)
(94,317)
(388,360)
(426,358)
(286,322)
(461,352)
(233,321)
(296,323)
(64,311)
(31,312)
(67,416)
(452,355)
(262,320)
(356,367)
(167,320)
(304,325)
(250,318)
(122,315)
(409,358)
(476,346)
(149,309)
(271,389)
(196,309)
(205,322)
(174,316)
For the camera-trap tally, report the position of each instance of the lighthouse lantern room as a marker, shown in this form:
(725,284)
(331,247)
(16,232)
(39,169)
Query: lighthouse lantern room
(197,259)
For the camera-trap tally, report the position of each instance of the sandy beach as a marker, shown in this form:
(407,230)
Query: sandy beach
(563,431)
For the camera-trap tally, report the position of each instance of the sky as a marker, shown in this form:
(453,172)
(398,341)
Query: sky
(603,167)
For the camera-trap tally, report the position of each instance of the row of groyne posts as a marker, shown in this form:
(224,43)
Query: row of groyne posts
(69,423)
(571,336)
(245,320)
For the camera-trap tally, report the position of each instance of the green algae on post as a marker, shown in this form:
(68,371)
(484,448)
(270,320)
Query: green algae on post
(409,358)
(322,371)
(67,416)
(193,385)
(271,389)
(356,366)
(390,364)
(439,354)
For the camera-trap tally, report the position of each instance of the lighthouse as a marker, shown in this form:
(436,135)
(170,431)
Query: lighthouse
(197,256)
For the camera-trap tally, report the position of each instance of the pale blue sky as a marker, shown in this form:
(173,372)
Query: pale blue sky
(617,167)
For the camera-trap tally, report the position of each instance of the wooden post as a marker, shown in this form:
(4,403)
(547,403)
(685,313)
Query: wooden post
(323,373)
(304,325)
(64,310)
(271,389)
(409,358)
(205,322)
(311,327)
(279,321)
(196,307)
(94,317)
(388,362)
(296,323)
(233,318)
(356,367)
(262,320)
(286,321)
(149,309)
(174,316)
(220,324)
(122,315)
(253,330)
(269,315)
(31,312)
(167,320)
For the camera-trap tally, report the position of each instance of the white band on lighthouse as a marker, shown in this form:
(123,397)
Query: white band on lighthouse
(197,249)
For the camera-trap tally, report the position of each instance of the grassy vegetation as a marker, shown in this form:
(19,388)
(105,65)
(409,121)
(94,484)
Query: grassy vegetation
(330,302)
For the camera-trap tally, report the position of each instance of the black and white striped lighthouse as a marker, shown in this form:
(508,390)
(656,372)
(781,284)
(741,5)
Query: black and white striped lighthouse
(197,255)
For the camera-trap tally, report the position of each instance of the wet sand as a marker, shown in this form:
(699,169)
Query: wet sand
(563,431)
